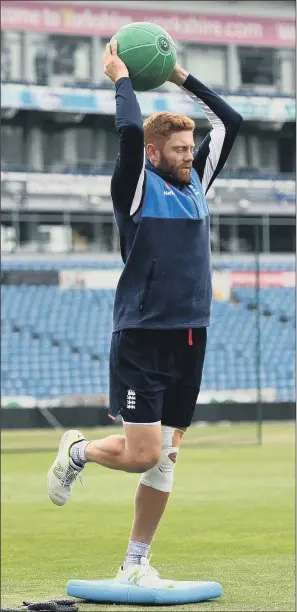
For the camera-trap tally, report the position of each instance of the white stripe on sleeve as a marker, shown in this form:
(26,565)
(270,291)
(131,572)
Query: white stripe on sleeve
(217,137)
(138,191)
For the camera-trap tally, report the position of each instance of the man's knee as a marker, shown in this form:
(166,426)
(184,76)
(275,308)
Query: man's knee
(160,476)
(144,445)
(145,459)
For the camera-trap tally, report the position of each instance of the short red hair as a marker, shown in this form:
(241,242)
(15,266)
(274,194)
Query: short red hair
(159,126)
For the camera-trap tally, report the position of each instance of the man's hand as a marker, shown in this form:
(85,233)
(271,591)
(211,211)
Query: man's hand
(179,75)
(114,67)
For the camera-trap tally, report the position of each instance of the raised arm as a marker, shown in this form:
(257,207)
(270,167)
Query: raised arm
(128,174)
(127,180)
(225,123)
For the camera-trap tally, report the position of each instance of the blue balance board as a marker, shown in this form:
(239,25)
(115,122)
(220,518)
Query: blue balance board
(110,591)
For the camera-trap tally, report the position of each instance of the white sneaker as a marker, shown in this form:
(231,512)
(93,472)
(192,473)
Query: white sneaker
(62,474)
(143,575)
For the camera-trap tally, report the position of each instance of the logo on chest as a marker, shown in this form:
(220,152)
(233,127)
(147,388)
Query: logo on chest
(168,191)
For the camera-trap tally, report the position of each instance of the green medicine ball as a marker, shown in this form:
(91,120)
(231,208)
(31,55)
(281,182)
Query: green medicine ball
(148,52)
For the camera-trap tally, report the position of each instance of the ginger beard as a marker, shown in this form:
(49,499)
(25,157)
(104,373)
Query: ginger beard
(181,171)
(174,155)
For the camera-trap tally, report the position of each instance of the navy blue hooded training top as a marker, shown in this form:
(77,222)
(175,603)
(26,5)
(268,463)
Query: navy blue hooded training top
(163,223)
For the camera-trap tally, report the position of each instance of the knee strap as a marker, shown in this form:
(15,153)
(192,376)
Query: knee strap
(160,477)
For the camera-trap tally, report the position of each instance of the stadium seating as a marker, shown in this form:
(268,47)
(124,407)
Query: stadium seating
(56,342)
(99,264)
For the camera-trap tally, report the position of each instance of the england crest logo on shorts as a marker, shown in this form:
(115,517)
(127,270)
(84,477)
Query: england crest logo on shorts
(131,399)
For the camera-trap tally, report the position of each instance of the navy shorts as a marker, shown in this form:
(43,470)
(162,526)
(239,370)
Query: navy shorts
(155,375)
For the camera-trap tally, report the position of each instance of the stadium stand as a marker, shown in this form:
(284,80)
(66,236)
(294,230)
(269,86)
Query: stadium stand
(56,342)
(59,149)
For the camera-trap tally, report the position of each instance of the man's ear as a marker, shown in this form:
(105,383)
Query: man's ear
(151,153)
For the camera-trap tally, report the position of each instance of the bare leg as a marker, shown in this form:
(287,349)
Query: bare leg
(150,505)
(139,448)
(149,508)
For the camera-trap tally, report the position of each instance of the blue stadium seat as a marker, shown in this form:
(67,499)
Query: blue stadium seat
(56,342)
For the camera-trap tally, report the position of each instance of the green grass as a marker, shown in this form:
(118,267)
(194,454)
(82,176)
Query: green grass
(230,519)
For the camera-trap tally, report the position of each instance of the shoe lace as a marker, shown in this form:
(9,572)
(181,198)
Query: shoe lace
(70,476)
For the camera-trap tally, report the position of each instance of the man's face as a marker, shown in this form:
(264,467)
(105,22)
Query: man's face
(176,156)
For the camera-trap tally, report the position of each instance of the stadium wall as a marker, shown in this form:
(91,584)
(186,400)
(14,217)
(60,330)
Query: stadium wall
(97,416)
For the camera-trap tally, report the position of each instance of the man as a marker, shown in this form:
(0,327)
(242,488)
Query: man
(162,301)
